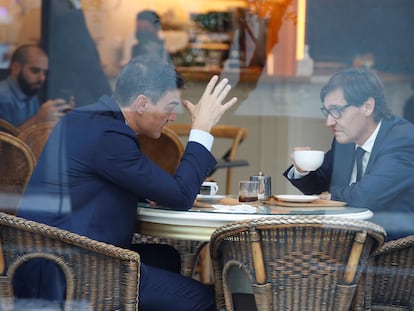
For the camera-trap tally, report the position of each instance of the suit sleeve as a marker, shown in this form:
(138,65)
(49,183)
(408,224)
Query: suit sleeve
(119,160)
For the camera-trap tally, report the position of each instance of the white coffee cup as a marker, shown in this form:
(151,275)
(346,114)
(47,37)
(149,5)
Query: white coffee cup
(309,160)
(209,188)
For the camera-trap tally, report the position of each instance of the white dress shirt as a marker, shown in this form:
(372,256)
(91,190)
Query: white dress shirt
(202,137)
(367,146)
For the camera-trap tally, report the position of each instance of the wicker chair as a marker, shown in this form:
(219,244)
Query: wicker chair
(227,132)
(294,262)
(36,136)
(388,282)
(7,127)
(101,276)
(16,166)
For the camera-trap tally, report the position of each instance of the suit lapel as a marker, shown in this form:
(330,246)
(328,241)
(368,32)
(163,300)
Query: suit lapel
(343,164)
(384,129)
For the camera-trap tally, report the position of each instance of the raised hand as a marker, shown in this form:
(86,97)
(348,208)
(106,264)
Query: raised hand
(210,107)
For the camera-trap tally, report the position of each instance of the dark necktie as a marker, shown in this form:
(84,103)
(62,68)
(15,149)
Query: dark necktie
(359,153)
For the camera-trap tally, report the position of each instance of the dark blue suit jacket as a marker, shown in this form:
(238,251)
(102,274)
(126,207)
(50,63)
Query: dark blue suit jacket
(92,174)
(387,188)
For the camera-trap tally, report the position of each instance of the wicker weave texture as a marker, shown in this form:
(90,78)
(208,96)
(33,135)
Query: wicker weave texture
(36,136)
(7,127)
(294,262)
(16,166)
(101,276)
(388,282)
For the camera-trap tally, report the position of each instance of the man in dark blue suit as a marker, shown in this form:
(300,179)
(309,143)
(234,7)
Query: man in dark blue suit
(356,110)
(92,173)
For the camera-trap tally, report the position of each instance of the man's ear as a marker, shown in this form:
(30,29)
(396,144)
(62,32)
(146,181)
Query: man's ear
(140,104)
(15,68)
(369,106)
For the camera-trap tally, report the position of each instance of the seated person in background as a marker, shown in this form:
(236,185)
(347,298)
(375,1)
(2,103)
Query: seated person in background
(98,174)
(147,32)
(356,111)
(19,93)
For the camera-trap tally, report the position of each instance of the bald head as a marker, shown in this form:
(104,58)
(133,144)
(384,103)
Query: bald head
(24,52)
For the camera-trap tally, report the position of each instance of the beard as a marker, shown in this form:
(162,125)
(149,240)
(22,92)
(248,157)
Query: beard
(26,87)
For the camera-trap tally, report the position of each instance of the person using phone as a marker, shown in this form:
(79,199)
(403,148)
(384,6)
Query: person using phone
(19,93)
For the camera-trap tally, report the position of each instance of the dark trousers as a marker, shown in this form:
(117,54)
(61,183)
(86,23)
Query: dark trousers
(159,256)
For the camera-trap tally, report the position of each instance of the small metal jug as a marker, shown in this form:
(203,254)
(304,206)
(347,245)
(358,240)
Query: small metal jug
(265,186)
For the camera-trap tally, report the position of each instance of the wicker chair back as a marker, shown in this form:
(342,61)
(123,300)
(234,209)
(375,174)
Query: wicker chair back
(98,276)
(388,282)
(294,262)
(16,166)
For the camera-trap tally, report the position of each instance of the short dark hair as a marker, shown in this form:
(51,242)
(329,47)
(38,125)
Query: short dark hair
(20,53)
(146,75)
(359,84)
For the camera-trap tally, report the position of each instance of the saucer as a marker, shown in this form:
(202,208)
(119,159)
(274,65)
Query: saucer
(297,198)
(209,198)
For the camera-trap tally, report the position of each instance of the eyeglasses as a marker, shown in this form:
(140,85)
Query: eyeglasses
(335,111)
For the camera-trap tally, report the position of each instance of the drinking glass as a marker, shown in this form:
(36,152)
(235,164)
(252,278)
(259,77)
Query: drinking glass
(248,191)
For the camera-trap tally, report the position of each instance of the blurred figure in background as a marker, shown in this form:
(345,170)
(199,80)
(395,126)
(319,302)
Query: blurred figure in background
(19,93)
(75,66)
(146,39)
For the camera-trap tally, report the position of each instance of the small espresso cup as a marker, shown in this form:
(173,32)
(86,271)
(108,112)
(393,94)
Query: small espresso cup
(248,190)
(209,188)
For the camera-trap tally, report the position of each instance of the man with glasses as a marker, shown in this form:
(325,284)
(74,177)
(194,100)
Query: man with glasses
(356,111)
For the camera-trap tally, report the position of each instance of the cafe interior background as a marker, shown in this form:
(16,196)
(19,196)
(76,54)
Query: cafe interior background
(276,53)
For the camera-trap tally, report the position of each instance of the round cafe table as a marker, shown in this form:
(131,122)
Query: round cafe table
(199,223)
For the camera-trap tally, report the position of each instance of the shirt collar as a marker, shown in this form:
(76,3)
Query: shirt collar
(369,144)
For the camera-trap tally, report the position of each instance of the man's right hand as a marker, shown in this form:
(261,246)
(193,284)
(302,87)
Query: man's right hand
(210,107)
(292,158)
(53,110)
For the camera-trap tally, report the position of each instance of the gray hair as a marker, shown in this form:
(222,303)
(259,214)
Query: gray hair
(145,75)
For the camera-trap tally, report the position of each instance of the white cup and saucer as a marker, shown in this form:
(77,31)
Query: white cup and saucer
(208,192)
